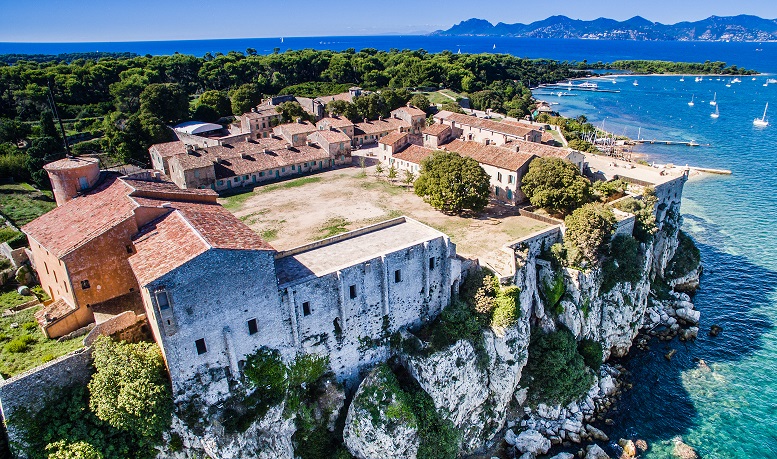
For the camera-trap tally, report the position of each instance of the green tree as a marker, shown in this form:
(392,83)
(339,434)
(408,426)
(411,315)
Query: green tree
(129,389)
(216,100)
(47,126)
(343,108)
(290,111)
(453,183)
(556,185)
(244,98)
(420,101)
(555,372)
(43,150)
(13,130)
(392,173)
(166,101)
(409,178)
(589,229)
(76,450)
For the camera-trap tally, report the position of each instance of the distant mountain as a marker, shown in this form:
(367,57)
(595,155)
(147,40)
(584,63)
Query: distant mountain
(714,28)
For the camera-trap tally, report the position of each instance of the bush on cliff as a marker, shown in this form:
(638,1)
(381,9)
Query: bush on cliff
(591,351)
(130,390)
(645,221)
(686,258)
(624,263)
(555,372)
(588,230)
(76,450)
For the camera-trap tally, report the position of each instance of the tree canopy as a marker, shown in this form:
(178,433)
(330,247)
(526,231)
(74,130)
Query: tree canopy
(129,389)
(556,185)
(555,369)
(453,183)
(588,230)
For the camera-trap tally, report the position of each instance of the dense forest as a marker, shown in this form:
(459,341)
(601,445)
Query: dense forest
(665,67)
(121,104)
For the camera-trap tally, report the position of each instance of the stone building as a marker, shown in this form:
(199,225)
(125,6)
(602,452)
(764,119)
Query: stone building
(338,123)
(202,135)
(260,121)
(162,152)
(295,133)
(335,142)
(486,130)
(413,116)
(437,134)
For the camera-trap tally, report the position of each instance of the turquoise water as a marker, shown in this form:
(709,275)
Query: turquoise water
(730,410)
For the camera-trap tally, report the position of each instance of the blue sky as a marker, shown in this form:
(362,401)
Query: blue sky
(137,20)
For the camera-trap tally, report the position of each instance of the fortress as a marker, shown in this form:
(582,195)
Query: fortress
(213,291)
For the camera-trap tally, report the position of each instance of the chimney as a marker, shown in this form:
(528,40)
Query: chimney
(265,151)
(299,119)
(380,118)
(517,148)
(365,120)
(253,109)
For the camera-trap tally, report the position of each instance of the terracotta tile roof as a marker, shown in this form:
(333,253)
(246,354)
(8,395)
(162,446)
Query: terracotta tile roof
(194,160)
(489,125)
(246,158)
(168,149)
(346,96)
(547,137)
(335,122)
(413,154)
(538,149)
(78,221)
(492,155)
(436,129)
(304,127)
(393,137)
(189,230)
(332,136)
(378,126)
(54,312)
(162,189)
(262,112)
(70,163)
(410,110)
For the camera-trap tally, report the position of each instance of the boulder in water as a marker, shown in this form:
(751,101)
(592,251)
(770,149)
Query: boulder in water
(629,450)
(682,450)
(715,330)
(531,441)
(595,452)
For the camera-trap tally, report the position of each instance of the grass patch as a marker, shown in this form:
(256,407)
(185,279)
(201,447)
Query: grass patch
(333,227)
(10,299)
(23,345)
(21,203)
(383,186)
(290,184)
(269,234)
(236,201)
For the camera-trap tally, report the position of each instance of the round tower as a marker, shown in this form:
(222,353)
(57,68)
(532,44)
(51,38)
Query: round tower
(71,176)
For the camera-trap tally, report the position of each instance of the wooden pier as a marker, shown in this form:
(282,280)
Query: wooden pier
(670,142)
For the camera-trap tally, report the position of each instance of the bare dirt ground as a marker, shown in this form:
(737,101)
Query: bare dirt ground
(302,210)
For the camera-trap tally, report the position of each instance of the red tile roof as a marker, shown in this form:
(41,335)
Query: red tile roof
(331,136)
(189,230)
(492,155)
(393,137)
(436,129)
(489,125)
(55,311)
(70,163)
(412,111)
(413,154)
(168,149)
(378,126)
(538,149)
(304,127)
(335,122)
(81,219)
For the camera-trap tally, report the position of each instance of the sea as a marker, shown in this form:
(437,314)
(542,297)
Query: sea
(725,407)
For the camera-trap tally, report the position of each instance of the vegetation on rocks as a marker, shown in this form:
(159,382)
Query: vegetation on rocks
(686,259)
(555,372)
(453,184)
(645,224)
(555,185)
(591,350)
(588,230)
(623,263)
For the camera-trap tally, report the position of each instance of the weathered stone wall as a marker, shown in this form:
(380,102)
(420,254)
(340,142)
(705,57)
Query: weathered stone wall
(31,389)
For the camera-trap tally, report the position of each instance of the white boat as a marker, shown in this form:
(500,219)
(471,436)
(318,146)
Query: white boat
(714,100)
(636,83)
(494,46)
(588,85)
(682,78)
(691,104)
(716,114)
(762,122)
(693,143)
(698,79)
(753,78)
(771,81)
(736,80)
(728,85)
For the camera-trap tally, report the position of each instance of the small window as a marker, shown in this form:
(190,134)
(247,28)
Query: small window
(129,248)
(46,266)
(162,300)
(352,291)
(252,327)
(398,276)
(201,348)
(499,176)
(431,264)
(221,182)
(261,174)
(245,177)
(306,308)
(511,179)
(84,284)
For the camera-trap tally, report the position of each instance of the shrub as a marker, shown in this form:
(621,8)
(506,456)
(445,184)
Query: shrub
(591,351)
(267,373)
(129,389)
(7,233)
(609,190)
(76,450)
(506,312)
(624,263)
(456,322)
(19,344)
(588,229)
(686,258)
(556,185)
(555,372)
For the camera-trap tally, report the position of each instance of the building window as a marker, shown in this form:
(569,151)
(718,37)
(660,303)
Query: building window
(499,176)
(496,191)
(237,179)
(509,194)
(252,327)
(431,264)
(306,308)
(55,277)
(46,266)
(84,284)
(245,177)
(162,299)
(352,291)
(221,182)
(196,174)
(201,348)
(511,179)
(398,276)
(293,167)
(129,249)
(261,174)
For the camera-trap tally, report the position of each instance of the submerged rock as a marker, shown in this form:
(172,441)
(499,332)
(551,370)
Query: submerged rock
(682,450)
(595,452)
(629,449)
